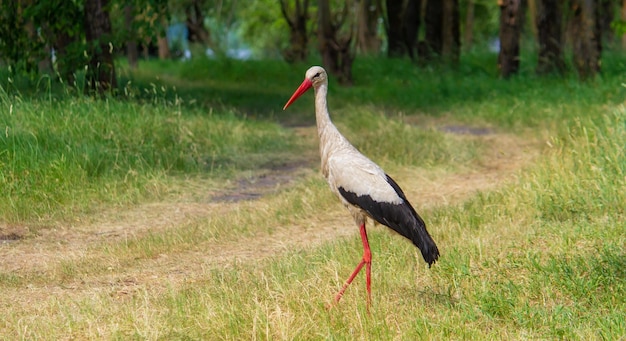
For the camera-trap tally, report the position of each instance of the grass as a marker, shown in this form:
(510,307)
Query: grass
(59,155)
(538,257)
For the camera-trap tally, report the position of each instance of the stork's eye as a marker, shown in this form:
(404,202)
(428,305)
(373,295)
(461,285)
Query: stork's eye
(317,75)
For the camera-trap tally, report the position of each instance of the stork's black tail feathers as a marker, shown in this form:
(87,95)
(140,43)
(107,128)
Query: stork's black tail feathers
(420,237)
(413,227)
(409,224)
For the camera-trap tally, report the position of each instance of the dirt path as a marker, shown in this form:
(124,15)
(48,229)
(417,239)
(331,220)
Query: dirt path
(59,245)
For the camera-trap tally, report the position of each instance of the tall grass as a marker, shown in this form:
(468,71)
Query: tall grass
(581,179)
(61,156)
(389,139)
(558,238)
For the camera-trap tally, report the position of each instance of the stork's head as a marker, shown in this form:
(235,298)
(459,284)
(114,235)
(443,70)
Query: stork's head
(314,77)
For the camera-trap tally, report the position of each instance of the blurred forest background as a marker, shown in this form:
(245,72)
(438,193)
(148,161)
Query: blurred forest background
(63,37)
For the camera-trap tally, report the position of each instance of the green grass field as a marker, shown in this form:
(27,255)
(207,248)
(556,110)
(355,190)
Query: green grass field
(110,227)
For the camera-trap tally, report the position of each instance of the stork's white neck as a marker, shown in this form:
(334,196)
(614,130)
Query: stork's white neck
(330,138)
(322,116)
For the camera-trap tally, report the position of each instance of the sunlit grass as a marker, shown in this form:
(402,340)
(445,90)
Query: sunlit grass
(60,157)
(391,139)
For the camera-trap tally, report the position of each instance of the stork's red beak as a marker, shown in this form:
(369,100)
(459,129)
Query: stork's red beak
(306,85)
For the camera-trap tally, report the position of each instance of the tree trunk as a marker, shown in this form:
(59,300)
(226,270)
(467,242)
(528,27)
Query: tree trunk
(45,63)
(101,71)
(450,35)
(163,46)
(433,19)
(443,29)
(298,50)
(585,38)
(64,64)
(195,23)
(395,36)
(412,22)
(549,37)
(337,53)
(132,52)
(531,9)
(326,35)
(367,26)
(469,25)
(605,17)
(510,21)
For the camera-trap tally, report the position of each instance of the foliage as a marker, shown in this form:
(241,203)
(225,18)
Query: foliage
(26,31)
(18,48)
(619,27)
(146,24)
(29,33)
(486,19)
(264,29)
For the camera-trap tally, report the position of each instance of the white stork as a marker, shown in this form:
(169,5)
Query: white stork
(361,185)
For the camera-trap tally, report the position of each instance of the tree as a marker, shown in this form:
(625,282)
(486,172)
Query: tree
(469,25)
(396,46)
(195,22)
(162,23)
(335,46)
(442,36)
(451,36)
(549,37)
(132,51)
(433,22)
(101,72)
(510,22)
(412,22)
(266,30)
(17,45)
(402,26)
(62,29)
(605,17)
(368,12)
(586,38)
(298,35)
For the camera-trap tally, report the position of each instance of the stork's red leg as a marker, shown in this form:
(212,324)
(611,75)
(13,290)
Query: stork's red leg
(367,260)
